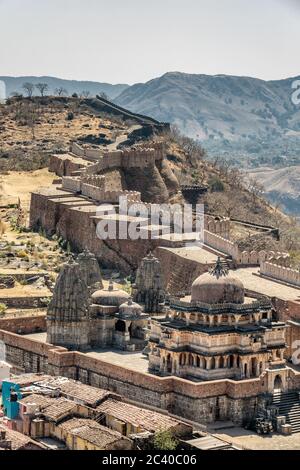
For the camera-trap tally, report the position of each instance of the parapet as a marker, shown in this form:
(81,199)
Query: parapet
(280,273)
(134,157)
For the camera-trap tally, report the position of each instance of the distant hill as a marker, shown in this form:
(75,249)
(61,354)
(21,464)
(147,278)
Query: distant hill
(233,115)
(282,186)
(213,106)
(15,84)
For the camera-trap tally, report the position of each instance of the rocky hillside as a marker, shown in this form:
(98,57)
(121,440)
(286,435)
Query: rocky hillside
(282,186)
(31,130)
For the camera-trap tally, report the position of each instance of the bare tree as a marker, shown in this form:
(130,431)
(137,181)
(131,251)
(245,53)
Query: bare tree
(42,87)
(104,95)
(28,88)
(61,91)
(85,94)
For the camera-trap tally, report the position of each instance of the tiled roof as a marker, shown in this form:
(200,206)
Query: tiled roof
(139,417)
(18,440)
(91,431)
(86,394)
(41,400)
(52,408)
(28,379)
(59,409)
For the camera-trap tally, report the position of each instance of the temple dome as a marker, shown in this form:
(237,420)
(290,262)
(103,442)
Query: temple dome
(130,309)
(217,287)
(110,296)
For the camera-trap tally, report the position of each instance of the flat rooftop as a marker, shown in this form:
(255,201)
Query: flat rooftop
(129,360)
(252,281)
(194,253)
(246,439)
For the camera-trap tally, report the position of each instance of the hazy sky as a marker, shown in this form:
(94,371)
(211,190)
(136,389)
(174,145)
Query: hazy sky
(128,41)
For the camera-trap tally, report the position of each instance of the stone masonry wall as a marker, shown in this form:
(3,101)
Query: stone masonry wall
(201,401)
(282,273)
(23,324)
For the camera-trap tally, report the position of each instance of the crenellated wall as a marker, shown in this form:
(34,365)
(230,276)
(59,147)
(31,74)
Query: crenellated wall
(218,226)
(93,186)
(71,183)
(133,157)
(281,273)
(244,258)
(221,244)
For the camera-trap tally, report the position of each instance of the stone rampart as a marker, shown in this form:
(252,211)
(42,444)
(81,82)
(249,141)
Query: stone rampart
(217,226)
(71,183)
(221,244)
(133,157)
(242,258)
(280,273)
(23,324)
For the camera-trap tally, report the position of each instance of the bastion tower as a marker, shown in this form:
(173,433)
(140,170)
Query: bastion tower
(218,332)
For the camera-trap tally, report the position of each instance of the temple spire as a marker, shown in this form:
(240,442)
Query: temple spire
(219,270)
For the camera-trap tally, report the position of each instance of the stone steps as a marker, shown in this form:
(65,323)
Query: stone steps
(288,404)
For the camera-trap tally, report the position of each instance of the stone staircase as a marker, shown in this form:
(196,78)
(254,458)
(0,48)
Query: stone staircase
(288,404)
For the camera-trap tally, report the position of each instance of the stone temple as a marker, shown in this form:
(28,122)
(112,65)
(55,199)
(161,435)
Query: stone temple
(148,289)
(80,317)
(68,316)
(216,333)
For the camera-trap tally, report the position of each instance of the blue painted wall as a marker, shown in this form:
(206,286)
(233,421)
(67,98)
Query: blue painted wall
(10,408)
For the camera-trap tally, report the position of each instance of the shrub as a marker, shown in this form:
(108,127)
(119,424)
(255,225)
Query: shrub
(164,440)
(70,116)
(22,254)
(3,308)
(216,185)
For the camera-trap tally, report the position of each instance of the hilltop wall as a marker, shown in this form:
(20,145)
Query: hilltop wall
(281,273)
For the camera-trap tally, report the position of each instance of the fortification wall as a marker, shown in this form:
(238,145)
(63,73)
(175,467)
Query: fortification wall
(23,302)
(133,157)
(71,183)
(77,150)
(244,258)
(23,324)
(219,227)
(195,401)
(65,165)
(221,244)
(281,273)
(179,272)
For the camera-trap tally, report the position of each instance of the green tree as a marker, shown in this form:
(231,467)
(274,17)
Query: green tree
(164,440)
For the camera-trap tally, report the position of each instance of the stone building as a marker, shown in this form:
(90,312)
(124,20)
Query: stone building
(117,320)
(148,289)
(80,317)
(216,333)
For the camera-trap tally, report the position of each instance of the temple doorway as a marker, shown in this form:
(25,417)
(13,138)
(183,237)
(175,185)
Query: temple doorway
(169,364)
(278,385)
(120,326)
